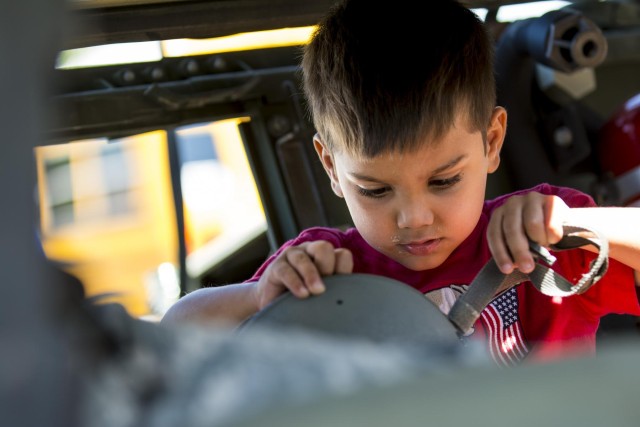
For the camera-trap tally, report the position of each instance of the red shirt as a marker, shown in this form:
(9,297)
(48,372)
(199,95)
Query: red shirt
(522,322)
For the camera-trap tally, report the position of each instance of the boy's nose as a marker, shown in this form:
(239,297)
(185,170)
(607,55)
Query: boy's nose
(415,214)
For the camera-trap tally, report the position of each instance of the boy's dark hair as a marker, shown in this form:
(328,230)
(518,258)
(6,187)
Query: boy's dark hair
(382,76)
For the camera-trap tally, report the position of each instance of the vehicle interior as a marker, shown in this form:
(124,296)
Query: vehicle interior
(155,147)
(186,97)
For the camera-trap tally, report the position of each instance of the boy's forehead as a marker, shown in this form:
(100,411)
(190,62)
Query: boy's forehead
(458,133)
(433,153)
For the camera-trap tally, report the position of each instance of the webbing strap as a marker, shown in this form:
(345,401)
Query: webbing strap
(490,281)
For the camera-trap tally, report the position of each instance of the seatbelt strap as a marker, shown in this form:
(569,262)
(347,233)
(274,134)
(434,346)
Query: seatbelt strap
(490,281)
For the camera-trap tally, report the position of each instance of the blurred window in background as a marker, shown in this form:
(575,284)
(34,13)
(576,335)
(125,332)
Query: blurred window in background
(222,207)
(107,216)
(129,53)
(107,212)
(514,12)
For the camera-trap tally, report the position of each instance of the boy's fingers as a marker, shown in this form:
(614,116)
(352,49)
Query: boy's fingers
(306,268)
(557,211)
(533,217)
(497,245)
(534,222)
(543,218)
(322,254)
(289,271)
(516,241)
(344,261)
(329,261)
(299,268)
(285,276)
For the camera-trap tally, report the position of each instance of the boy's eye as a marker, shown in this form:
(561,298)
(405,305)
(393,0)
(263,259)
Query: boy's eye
(375,193)
(446,182)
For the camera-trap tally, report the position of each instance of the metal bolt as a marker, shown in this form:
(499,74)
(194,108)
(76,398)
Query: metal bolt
(190,67)
(278,125)
(157,74)
(563,137)
(126,76)
(217,64)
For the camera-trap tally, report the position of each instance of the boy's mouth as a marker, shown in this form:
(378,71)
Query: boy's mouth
(421,248)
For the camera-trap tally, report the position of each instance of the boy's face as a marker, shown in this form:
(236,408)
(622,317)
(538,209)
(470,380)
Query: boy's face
(417,207)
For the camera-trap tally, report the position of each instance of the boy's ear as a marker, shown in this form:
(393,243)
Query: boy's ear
(495,137)
(327,162)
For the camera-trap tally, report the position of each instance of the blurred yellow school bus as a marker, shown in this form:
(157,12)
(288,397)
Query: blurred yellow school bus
(107,211)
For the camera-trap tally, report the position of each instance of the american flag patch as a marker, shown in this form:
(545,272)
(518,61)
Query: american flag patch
(502,326)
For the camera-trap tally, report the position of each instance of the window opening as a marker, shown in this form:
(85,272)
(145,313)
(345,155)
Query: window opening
(106,214)
(222,206)
(107,210)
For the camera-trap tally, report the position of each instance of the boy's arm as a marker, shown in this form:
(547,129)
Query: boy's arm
(229,304)
(297,269)
(622,228)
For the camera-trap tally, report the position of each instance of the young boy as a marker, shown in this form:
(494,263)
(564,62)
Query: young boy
(404,106)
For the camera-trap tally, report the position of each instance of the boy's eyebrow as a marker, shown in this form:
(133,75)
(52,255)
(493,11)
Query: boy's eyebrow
(449,164)
(363,177)
(436,171)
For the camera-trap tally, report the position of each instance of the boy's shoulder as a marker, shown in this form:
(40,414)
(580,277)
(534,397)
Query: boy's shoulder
(319,233)
(572,197)
(336,236)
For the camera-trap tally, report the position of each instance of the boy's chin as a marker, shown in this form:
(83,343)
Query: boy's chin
(421,263)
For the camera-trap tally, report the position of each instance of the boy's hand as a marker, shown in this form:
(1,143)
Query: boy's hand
(535,216)
(299,268)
